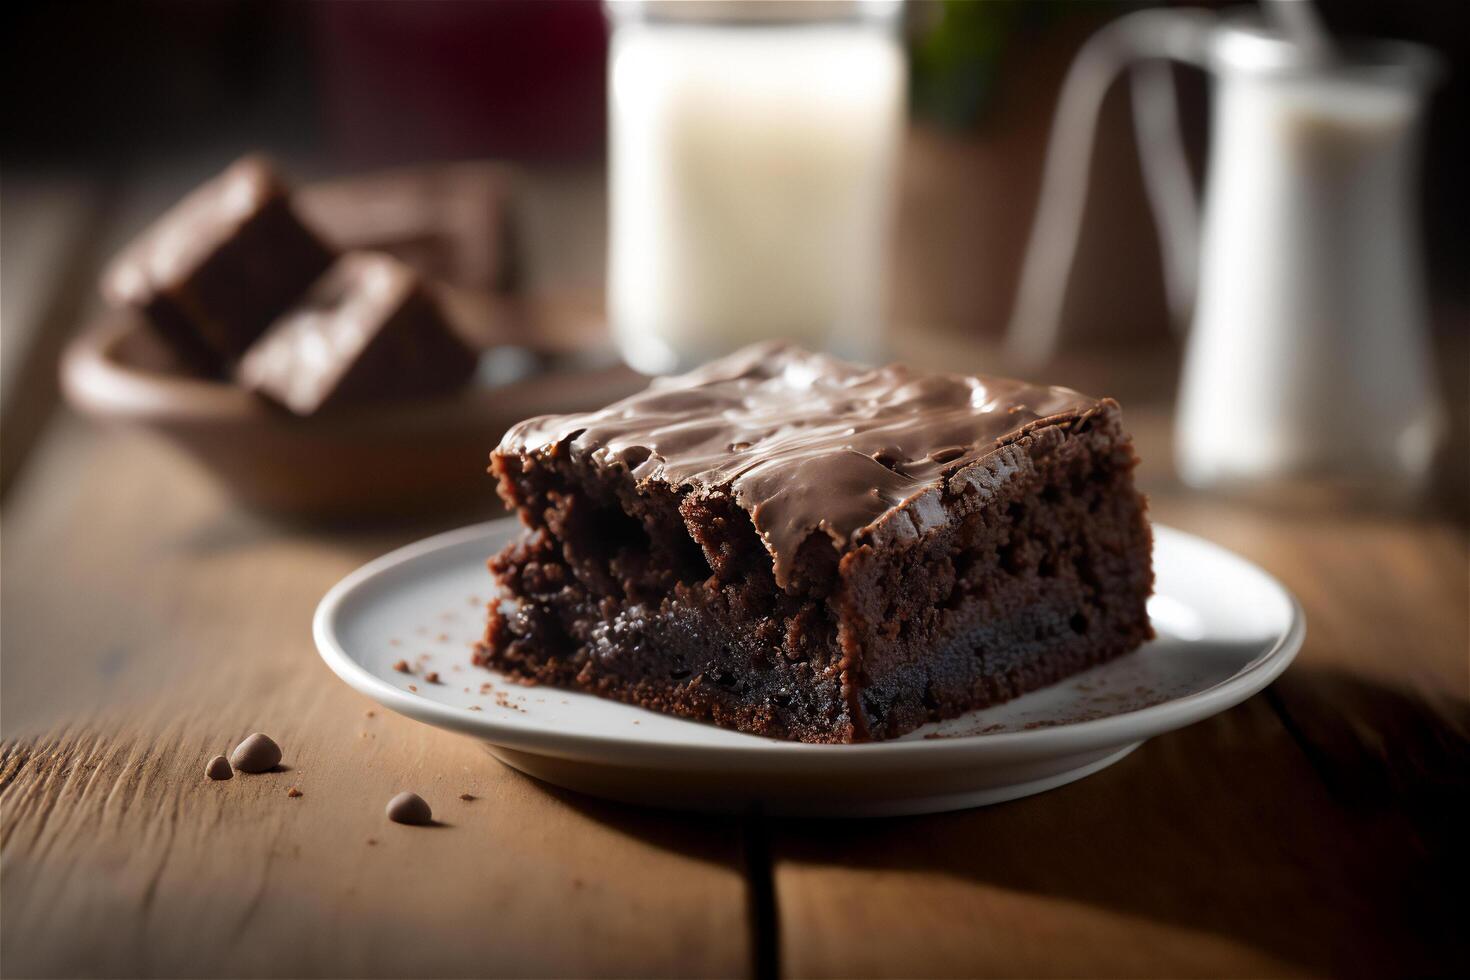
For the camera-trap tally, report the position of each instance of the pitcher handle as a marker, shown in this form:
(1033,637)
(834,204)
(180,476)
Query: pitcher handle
(1149,36)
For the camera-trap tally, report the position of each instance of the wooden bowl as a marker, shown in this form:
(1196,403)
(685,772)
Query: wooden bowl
(394,458)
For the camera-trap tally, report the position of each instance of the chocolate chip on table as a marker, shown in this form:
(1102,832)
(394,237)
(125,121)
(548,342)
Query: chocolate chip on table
(219,768)
(258,753)
(409,808)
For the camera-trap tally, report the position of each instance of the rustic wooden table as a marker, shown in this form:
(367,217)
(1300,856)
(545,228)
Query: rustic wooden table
(148,624)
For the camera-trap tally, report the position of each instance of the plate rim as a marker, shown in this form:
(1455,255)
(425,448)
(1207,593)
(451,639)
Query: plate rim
(766,753)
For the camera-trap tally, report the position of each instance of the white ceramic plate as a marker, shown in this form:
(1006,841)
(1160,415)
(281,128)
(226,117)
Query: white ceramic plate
(1225,628)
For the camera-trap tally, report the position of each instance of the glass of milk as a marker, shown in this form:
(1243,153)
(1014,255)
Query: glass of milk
(754,147)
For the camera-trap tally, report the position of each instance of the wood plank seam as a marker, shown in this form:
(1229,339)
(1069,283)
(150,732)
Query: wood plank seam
(765,940)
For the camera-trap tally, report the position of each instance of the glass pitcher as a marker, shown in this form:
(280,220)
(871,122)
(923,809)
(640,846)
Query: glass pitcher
(1308,362)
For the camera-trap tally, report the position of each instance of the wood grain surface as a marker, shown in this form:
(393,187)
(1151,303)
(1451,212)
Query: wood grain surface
(148,626)
(149,623)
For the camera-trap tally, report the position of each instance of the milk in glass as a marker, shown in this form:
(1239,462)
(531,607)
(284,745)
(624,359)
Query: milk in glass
(752,165)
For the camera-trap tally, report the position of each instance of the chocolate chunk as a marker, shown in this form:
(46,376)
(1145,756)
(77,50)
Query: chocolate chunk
(217,268)
(219,768)
(366,330)
(258,753)
(409,808)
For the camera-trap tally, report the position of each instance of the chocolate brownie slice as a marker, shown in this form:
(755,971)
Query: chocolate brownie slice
(218,267)
(791,545)
(367,329)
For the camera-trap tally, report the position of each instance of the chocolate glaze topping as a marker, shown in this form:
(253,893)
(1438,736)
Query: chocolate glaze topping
(804,442)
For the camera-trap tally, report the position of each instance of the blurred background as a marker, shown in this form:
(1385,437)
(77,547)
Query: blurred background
(113,111)
(591,194)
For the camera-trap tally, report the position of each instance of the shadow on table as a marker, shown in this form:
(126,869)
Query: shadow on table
(1285,837)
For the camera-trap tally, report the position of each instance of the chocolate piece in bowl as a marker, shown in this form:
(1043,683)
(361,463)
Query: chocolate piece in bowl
(366,330)
(794,546)
(218,267)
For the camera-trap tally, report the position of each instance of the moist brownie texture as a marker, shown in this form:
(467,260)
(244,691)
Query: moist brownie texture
(798,547)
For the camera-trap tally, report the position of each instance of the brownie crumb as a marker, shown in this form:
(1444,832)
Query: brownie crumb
(503,700)
(475,707)
(413,687)
(293,792)
(372,842)
(432,677)
(467,797)
(402,666)
(372,714)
